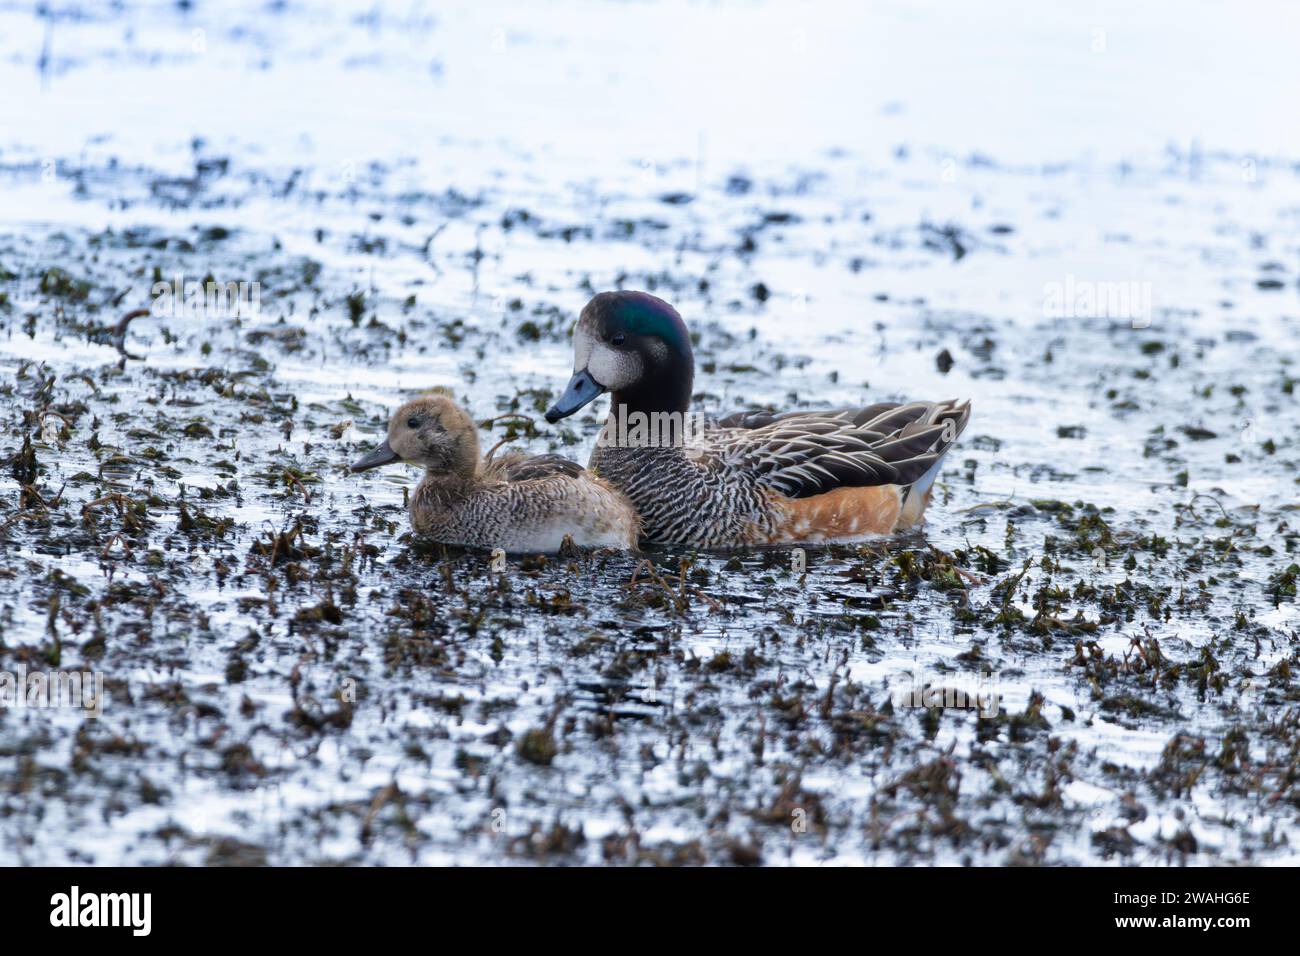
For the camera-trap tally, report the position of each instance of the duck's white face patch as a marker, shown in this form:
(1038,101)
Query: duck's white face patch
(610,367)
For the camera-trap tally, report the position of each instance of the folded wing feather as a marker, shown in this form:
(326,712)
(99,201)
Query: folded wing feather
(801,454)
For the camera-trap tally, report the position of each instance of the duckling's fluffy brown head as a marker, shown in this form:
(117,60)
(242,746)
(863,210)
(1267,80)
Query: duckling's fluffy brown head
(432,431)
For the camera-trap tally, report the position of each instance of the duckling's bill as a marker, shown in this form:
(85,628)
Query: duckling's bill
(383,455)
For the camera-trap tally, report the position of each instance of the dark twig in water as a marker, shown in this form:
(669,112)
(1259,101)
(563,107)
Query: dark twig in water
(679,597)
(1191,505)
(428,248)
(115,335)
(967,575)
(29,494)
(116,498)
(296,482)
(18,516)
(487,423)
(119,331)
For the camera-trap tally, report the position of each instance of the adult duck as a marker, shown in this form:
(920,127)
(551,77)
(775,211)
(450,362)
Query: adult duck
(749,478)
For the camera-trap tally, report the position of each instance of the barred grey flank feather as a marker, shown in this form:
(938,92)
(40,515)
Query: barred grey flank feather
(723,494)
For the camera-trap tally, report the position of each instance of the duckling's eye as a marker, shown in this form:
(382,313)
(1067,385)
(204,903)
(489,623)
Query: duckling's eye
(618,339)
(412,423)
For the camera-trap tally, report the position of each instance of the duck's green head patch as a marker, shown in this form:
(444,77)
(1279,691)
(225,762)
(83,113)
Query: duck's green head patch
(617,317)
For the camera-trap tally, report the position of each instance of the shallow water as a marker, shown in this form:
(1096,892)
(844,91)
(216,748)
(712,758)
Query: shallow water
(427,196)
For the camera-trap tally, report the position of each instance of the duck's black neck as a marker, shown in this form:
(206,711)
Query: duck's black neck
(667,389)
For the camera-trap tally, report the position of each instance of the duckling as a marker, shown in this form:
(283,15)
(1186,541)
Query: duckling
(748,478)
(515,502)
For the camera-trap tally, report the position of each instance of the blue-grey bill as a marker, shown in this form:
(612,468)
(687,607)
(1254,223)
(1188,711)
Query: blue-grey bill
(581,390)
(382,455)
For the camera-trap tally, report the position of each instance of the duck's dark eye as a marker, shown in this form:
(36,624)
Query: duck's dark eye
(619,339)
(412,423)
